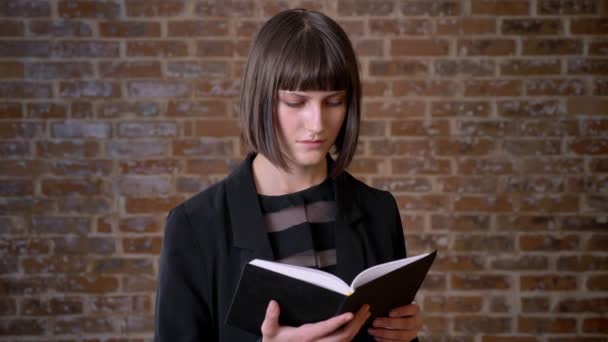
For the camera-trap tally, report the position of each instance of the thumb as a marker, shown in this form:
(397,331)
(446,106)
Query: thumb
(270,326)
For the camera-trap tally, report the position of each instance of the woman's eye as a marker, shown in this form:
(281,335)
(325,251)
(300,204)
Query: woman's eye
(294,104)
(335,103)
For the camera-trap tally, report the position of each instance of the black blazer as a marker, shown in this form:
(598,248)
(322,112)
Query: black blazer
(210,237)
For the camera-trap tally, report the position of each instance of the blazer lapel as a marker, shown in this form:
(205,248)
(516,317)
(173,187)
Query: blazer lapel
(246,221)
(350,243)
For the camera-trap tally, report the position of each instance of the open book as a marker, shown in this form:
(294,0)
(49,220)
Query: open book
(307,295)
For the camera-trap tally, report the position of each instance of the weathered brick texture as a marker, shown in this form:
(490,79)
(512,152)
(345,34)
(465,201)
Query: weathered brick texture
(487,119)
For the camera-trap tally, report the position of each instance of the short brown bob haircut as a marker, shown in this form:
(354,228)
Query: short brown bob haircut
(299,50)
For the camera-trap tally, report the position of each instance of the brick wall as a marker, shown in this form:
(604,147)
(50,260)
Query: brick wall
(486,119)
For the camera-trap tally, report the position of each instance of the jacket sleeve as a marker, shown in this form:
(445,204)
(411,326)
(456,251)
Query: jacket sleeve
(182,314)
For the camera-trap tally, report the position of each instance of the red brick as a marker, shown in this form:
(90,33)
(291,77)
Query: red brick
(133,69)
(533,108)
(548,243)
(25,90)
(402,184)
(493,88)
(160,48)
(520,67)
(367,47)
(598,48)
(376,8)
(24,48)
(430,8)
(142,245)
(81,129)
(122,266)
(598,325)
(209,166)
(553,166)
(61,28)
(374,128)
(16,188)
(89,89)
(394,147)
(81,167)
(520,147)
(11,69)
(452,304)
(465,26)
(486,47)
(121,109)
(80,325)
(55,264)
(159,88)
(419,242)
(71,244)
(485,324)
(567,7)
(197,28)
(217,128)
(507,7)
(62,187)
(8,307)
(25,246)
(491,128)
(458,263)
(485,203)
(464,68)
(25,8)
(422,202)
(139,283)
(215,48)
(202,147)
(587,66)
(87,284)
(589,26)
(522,263)
(20,130)
(484,243)
(394,109)
(597,305)
(120,304)
(541,325)
(154,8)
(582,263)
(403,26)
(88,9)
(423,88)
(588,146)
(86,49)
(83,205)
(137,148)
(462,223)
(559,87)
(434,282)
(23,326)
(153,166)
(418,47)
(535,304)
(463,147)
(547,282)
(587,105)
(129,29)
(238,9)
(46,110)
(397,68)
(460,108)
(552,47)
(523,184)
(22,168)
(532,27)
(414,165)
(11,28)
(202,108)
(597,282)
(485,166)
(147,129)
(10,110)
(136,205)
(11,149)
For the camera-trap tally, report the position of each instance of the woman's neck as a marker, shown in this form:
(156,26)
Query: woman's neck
(274,181)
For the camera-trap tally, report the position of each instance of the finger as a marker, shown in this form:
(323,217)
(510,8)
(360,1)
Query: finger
(270,326)
(406,310)
(399,335)
(320,329)
(353,327)
(401,323)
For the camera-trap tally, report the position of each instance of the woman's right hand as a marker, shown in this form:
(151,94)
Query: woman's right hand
(339,328)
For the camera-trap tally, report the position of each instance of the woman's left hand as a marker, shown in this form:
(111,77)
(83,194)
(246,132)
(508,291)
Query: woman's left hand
(402,324)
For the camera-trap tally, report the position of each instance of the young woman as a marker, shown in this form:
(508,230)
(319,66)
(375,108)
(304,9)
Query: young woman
(289,200)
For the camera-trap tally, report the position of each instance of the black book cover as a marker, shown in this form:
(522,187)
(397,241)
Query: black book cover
(302,302)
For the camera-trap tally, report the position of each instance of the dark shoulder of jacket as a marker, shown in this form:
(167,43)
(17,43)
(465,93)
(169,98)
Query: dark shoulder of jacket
(364,193)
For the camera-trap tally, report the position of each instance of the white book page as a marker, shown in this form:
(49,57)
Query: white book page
(309,275)
(382,269)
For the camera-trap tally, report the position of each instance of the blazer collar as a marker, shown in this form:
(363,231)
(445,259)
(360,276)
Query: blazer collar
(248,226)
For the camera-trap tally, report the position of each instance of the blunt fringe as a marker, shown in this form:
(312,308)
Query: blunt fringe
(299,50)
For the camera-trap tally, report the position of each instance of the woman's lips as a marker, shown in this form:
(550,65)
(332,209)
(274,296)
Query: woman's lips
(312,143)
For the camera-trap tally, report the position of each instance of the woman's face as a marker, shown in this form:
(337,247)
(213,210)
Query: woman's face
(308,124)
